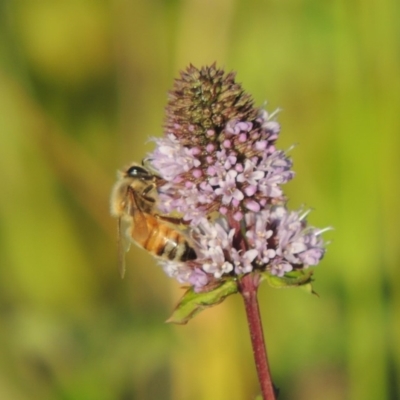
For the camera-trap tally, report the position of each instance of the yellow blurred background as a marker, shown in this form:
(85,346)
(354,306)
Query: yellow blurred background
(82,87)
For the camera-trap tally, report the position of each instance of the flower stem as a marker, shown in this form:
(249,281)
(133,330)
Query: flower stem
(248,288)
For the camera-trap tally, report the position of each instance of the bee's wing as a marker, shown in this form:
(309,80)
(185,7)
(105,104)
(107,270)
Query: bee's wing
(124,245)
(139,228)
(131,227)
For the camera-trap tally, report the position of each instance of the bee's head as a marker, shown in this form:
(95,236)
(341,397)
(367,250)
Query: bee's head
(138,172)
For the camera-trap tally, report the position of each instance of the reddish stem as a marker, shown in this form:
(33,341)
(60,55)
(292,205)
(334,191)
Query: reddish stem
(248,288)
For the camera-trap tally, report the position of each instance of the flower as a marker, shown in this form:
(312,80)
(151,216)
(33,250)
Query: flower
(223,174)
(238,162)
(287,243)
(183,273)
(276,241)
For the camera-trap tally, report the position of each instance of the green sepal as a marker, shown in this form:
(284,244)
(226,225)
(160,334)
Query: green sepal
(297,278)
(193,303)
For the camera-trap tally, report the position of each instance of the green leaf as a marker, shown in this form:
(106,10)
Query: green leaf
(298,278)
(193,303)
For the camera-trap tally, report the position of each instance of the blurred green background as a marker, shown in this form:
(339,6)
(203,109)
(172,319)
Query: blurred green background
(82,86)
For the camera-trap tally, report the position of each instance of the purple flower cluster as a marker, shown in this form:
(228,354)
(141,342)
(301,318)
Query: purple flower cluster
(226,184)
(276,240)
(244,172)
(283,240)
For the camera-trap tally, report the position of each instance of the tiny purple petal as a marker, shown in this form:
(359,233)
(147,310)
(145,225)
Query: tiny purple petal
(210,133)
(261,145)
(250,190)
(239,167)
(244,126)
(237,195)
(210,147)
(198,279)
(194,151)
(211,171)
(242,137)
(312,256)
(235,203)
(209,159)
(252,205)
(280,269)
(197,173)
(272,126)
(238,216)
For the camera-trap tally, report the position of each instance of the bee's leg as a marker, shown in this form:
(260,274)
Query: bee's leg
(172,220)
(147,190)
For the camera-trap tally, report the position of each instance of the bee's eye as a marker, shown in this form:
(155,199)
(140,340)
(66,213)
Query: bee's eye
(137,171)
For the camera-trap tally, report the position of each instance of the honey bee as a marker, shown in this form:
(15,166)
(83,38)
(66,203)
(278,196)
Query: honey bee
(134,203)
